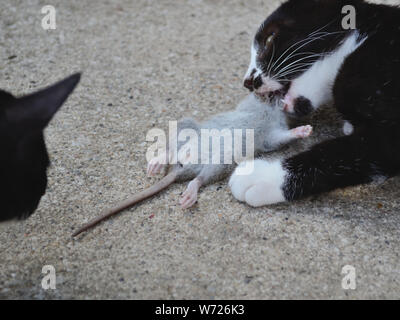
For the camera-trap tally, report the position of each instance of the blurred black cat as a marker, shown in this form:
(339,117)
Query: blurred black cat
(23,158)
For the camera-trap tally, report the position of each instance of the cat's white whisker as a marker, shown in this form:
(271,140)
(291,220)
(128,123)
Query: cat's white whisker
(307,40)
(272,58)
(294,63)
(299,60)
(287,51)
(303,45)
(294,70)
(301,54)
(325,26)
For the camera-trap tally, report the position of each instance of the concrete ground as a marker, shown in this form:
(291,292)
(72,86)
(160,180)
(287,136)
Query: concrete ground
(145,63)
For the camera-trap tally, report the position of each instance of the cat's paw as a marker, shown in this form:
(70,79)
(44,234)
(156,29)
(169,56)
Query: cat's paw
(261,186)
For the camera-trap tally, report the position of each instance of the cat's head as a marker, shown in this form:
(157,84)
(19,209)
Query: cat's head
(290,40)
(23,155)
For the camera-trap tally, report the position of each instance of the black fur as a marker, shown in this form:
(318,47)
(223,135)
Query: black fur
(291,23)
(24,159)
(366,92)
(302,107)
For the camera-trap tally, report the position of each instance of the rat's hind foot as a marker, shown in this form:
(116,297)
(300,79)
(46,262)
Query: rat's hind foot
(302,132)
(157,164)
(189,197)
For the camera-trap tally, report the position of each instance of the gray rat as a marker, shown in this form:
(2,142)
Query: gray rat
(271,131)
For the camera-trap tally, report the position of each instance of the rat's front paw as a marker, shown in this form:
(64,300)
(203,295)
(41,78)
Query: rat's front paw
(189,197)
(302,132)
(156,164)
(261,186)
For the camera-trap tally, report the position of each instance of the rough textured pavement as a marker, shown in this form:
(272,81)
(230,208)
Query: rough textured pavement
(145,63)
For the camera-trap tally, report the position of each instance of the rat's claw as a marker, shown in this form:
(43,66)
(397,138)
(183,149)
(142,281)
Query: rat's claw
(155,165)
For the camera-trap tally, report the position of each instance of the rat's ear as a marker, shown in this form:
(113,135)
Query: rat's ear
(37,109)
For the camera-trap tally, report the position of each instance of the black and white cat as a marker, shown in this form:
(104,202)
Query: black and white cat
(302,55)
(23,158)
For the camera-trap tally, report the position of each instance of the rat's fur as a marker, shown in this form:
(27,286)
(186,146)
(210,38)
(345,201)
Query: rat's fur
(270,132)
(23,158)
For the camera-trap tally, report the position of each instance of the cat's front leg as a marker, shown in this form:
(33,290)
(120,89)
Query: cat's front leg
(338,163)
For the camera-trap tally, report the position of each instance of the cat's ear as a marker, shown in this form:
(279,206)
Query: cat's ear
(37,109)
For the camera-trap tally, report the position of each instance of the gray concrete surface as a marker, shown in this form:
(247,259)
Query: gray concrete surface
(145,63)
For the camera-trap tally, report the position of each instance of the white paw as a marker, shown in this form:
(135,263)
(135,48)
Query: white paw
(302,132)
(156,164)
(262,186)
(189,197)
(348,128)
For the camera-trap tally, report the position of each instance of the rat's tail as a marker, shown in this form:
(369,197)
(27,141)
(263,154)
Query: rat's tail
(159,186)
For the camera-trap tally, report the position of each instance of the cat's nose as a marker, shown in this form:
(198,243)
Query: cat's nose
(249,83)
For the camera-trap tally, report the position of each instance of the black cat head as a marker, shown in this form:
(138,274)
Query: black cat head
(290,40)
(23,158)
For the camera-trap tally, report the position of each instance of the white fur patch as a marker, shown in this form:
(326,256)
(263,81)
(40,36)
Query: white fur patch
(269,85)
(262,187)
(317,82)
(348,128)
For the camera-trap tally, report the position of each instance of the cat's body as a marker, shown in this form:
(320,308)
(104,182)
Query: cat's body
(356,70)
(23,158)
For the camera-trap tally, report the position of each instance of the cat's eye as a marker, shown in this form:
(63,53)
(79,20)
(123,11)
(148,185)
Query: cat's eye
(270,39)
